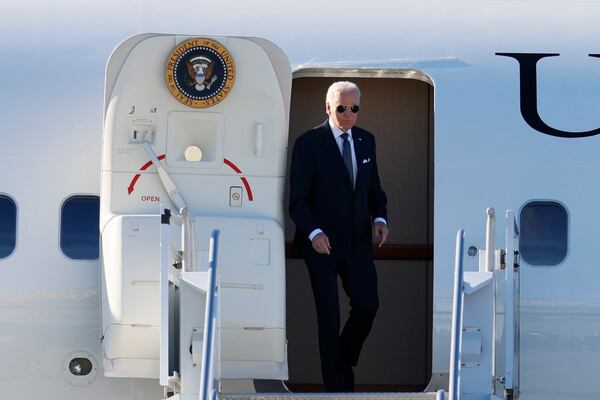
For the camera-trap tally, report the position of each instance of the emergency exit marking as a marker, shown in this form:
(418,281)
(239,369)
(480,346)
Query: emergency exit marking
(152,199)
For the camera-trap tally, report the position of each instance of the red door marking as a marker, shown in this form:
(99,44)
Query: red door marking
(131,186)
(149,163)
(247,185)
(231,165)
(144,167)
(244,180)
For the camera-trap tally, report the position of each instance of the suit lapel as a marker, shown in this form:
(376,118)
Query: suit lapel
(333,151)
(360,152)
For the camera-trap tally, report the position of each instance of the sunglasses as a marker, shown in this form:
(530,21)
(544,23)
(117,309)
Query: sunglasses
(343,107)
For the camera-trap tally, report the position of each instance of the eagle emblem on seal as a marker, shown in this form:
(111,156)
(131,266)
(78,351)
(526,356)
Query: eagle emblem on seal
(200,71)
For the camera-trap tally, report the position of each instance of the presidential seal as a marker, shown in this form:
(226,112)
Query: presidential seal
(200,72)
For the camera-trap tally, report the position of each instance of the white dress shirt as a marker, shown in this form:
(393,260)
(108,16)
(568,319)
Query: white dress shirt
(337,134)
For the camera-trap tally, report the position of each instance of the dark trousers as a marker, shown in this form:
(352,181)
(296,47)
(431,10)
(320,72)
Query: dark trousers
(339,353)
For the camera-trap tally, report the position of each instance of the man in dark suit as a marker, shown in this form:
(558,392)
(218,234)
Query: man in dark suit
(337,203)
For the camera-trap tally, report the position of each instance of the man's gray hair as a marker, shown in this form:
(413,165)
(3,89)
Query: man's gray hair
(341,87)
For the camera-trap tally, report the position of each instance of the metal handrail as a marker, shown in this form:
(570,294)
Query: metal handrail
(490,241)
(510,323)
(165,221)
(207,391)
(457,316)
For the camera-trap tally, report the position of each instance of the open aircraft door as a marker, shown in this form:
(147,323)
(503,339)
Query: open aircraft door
(212,114)
(507,315)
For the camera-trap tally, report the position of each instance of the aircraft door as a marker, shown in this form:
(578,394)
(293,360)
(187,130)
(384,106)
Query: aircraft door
(215,112)
(507,317)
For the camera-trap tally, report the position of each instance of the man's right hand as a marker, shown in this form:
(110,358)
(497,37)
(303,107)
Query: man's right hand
(321,244)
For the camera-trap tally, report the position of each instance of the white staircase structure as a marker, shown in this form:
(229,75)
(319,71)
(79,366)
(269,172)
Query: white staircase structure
(484,353)
(205,383)
(480,331)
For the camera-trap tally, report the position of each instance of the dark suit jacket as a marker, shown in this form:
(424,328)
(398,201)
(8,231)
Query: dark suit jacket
(322,196)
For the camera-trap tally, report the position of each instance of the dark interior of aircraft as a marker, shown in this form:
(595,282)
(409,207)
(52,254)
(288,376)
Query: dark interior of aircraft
(398,109)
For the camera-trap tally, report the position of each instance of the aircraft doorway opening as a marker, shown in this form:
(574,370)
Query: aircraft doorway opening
(397,107)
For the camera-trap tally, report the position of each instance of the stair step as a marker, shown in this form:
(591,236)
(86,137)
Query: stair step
(333,396)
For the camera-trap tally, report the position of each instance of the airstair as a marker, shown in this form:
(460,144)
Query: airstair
(180,272)
(484,343)
(183,275)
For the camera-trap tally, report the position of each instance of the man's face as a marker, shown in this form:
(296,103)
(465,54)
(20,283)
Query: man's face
(346,119)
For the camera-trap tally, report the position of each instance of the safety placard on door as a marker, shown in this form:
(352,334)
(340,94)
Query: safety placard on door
(235,196)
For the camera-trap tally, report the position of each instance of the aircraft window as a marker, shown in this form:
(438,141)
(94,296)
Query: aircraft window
(8,226)
(80,227)
(544,233)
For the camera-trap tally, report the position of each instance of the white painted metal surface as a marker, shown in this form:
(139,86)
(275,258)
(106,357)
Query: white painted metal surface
(253,336)
(167,183)
(476,373)
(509,303)
(483,300)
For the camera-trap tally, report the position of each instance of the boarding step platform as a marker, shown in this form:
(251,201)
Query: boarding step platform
(440,395)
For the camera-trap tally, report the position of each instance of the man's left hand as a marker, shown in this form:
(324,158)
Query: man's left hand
(381,232)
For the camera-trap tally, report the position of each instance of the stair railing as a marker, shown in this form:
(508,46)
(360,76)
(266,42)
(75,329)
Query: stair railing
(207,389)
(457,316)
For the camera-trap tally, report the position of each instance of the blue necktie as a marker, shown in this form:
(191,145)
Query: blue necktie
(347,155)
